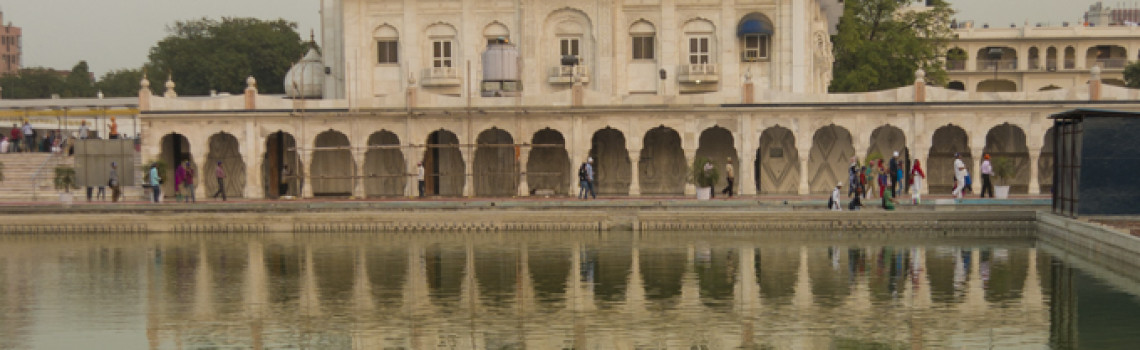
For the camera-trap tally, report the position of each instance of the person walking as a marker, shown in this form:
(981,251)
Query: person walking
(959,176)
(179,179)
(729,177)
(188,183)
(220,174)
(833,203)
(853,177)
(420,178)
(987,173)
(586,179)
(83,130)
(156,189)
(15,136)
(29,137)
(895,173)
(916,177)
(113,182)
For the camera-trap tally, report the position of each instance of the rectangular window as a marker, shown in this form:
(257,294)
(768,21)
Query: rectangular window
(388,52)
(699,50)
(643,47)
(441,54)
(569,47)
(755,47)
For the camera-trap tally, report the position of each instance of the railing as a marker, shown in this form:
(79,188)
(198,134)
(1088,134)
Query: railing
(1051,64)
(36,175)
(698,69)
(568,71)
(1110,63)
(956,65)
(441,73)
(984,65)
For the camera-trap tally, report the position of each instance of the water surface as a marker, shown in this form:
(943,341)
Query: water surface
(553,291)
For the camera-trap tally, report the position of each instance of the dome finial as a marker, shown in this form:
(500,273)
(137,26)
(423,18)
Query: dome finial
(170,86)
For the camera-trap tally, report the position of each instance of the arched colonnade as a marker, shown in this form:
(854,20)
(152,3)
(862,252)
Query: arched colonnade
(510,160)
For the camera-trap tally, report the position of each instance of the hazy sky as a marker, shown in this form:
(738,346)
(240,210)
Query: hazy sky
(113,34)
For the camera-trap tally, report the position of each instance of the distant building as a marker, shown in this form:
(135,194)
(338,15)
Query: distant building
(11,43)
(1099,15)
(1037,58)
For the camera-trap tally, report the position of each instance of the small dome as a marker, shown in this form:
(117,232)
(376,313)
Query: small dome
(307,78)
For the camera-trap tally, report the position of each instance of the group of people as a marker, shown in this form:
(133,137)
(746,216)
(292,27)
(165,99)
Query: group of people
(184,182)
(587,179)
(888,178)
(22,138)
(964,184)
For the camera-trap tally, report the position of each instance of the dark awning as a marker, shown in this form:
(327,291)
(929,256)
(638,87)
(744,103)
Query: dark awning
(1092,112)
(754,26)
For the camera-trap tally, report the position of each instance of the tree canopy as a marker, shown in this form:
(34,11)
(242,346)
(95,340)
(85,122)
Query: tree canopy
(205,54)
(40,82)
(121,83)
(1132,75)
(881,43)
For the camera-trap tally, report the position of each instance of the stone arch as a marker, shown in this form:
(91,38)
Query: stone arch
(663,166)
(886,140)
(496,164)
(496,30)
(1051,58)
(1106,56)
(831,152)
(224,149)
(333,168)
(1034,57)
(1070,58)
(281,166)
(385,31)
(548,164)
(718,145)
(1008,140)
(956,59)
(777,162)
(997,85)
(567,24)
(175,150)
(445,172)
(385,171)
(956,85)
(1045,164)
(946,141)
(1005,56)
(611,162)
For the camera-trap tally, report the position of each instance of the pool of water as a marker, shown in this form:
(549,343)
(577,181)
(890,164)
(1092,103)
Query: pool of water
(554,291)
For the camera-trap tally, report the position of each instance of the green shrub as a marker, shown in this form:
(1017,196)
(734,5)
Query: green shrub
(701,178)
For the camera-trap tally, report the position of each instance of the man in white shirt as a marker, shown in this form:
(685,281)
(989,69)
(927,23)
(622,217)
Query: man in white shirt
(420,177)
(959,176)
(83,130)
(834,202)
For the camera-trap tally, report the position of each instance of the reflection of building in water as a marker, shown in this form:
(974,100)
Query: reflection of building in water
(484,291)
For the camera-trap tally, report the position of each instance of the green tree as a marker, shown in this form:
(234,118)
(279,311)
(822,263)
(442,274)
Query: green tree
(79,82)
(203,55)
(881,43)
(1132,75)
(121,83)
(35,82)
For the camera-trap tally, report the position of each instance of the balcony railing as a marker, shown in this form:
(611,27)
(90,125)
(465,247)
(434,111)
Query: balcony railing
(1001,65)
(1050,64)
(568,74)
(698,73)
(956,65)
(1070,64)
(441,76)
(1110,63)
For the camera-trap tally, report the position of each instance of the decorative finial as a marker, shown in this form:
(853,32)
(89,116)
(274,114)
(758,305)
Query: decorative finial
(250,82)
(312,36)
(145,83)
(920,75)
(170,86)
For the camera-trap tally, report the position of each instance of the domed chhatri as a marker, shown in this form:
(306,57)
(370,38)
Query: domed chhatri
(306,78)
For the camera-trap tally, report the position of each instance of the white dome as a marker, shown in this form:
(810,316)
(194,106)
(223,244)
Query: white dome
(307,78)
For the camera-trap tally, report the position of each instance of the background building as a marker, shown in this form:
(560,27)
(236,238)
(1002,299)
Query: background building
(10,47)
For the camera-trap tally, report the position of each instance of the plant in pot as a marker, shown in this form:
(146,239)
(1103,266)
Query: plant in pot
(1004,171)
(64,180)
(702,178)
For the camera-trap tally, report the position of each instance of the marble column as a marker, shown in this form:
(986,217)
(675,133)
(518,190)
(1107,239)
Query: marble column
(358,173)
(524,157)
(1034,172)
(307,176)
(469,171)
(805,172)
(690,156)
(635,173)
(975,168)
(413,155)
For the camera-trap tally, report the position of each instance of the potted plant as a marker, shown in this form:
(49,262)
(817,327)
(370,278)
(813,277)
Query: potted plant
(64,180)
(702,178)
(1004,171)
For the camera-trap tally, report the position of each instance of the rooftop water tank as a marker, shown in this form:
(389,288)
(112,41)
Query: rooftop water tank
(500,69)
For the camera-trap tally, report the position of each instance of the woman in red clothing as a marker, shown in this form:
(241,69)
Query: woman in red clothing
(916,177)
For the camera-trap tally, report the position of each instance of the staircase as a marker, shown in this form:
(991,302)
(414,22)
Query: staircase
(21,168)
